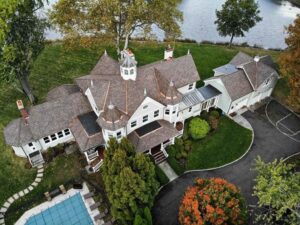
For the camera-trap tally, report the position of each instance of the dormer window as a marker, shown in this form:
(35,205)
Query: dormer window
(126,72)
(131,71)
(128,66)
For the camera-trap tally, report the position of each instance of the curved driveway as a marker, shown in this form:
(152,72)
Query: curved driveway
(269,143)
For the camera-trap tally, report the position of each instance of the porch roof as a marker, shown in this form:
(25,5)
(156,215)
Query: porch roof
(85,140)
(155,137)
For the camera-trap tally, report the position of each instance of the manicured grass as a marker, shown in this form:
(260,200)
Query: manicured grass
(61,170)
(56,66)
(224,145)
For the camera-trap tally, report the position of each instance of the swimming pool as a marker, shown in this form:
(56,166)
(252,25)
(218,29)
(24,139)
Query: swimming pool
(71,211)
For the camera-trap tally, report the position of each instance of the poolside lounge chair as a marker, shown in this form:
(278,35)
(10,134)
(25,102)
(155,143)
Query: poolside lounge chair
(108,223)
(99,216)
(88,195)
(95,206)
(47,195)
(62,189)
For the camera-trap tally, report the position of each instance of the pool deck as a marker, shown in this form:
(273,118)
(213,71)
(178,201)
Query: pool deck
(62,197)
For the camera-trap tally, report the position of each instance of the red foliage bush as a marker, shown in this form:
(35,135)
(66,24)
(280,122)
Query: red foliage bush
(212,201)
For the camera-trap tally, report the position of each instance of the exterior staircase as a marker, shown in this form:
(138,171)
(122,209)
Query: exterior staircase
(159,157)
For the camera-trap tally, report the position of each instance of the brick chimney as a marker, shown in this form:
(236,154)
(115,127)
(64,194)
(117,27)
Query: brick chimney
(168,54)
(23,111)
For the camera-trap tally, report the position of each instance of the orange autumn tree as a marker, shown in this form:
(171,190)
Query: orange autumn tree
(289,62)
(212,201)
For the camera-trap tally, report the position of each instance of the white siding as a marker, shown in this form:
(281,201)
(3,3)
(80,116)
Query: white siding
(224,101)
(239,103)
(148,107)
(59,140)
(19,151)
(92,102)
(185,89)
(107,134)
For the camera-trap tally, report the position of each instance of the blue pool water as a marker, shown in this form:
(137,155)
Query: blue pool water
(72,211)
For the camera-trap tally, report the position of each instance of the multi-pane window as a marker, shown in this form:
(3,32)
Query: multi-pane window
(46,140)
(167,111)
(133,124)
(174,111)
(30,144)
(190,109)
(67,131)
(156,113)
(60,134)
(53,137)
(212,102)
(126,72)
(131,71)
(119,135)
(191,86)
(204,105)
(145,118)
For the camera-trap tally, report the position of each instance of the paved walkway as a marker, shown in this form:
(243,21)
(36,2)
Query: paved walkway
(269,143)
(168,170)
(20,194)
(242,121)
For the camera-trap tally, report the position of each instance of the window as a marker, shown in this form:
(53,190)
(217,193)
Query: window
(126,72)
(60,134)
(191,86)
(190,109)
(133,124)
(174,111)
(119,135)
(131,71)
(212,102)
(167,111)
(156,113)
(145,118)
(145,106)
(30,144)
(46,140)
(53,137)
(204,105)
(67,131)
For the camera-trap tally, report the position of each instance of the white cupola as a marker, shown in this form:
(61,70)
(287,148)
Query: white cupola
(168,53)
(128,66)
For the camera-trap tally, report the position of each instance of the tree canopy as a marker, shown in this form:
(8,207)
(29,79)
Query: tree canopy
(289,63)
(21,40)
(198,128)
(236,17)
(212,201)
(115,18)
(129,179)
(278,190)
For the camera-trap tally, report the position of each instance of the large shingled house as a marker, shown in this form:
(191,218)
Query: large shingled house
(147,104)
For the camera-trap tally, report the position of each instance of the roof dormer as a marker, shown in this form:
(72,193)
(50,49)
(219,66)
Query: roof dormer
(128,66)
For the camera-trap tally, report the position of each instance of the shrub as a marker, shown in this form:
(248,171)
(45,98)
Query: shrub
(212,201)
(198,128)
(215,113)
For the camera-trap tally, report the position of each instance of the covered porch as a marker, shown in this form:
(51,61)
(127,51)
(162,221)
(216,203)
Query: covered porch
(153,138)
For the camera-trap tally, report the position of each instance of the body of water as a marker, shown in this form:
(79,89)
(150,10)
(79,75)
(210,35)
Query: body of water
(199,17)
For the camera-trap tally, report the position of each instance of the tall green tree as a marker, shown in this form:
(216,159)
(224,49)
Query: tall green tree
(21,41)
(116,18)
(129,180)
(236,17)
(289,62)
(278,190)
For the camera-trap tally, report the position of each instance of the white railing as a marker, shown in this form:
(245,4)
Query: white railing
(165,152)
(97,166)
(92,155)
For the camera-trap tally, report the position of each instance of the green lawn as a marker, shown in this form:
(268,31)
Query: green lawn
(224,145)
(56,66)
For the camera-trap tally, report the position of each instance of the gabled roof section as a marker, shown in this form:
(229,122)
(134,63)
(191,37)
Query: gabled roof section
(237,84)
(106,66)
(257,73)
(240,58)
(62,91)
